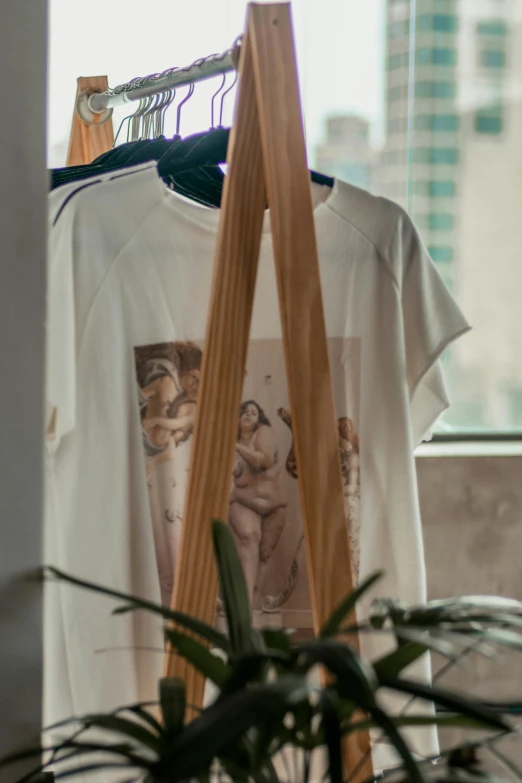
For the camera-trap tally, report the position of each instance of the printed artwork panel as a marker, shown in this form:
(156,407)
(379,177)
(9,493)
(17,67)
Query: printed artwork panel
(264,512)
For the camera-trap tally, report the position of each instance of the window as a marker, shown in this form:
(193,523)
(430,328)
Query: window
(442,188)
(425,89)
(489,122)
(437,122)
(462,59)
(435,188)
(397,124)
(396,93)
(492,58)
(394,157)
(441,254)
(440,222)
(442,155)
(398,29)
(436,56)
(444,23)
(492,27)
(395,61)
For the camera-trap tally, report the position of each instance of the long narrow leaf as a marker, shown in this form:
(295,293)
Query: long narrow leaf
(82,769)
(173,700)
(388,726)
(421,721)
(332,626)
(200,657)
(243,638)
(499,636)
(258,705)
(354,675)
(127,728)
(445,699)
(143,714)
(394,662)
(332,737)
(249,668)
(133,604)
(506,762)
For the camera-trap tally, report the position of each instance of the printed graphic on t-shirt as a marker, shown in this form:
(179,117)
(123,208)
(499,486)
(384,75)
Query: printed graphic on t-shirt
(264,511)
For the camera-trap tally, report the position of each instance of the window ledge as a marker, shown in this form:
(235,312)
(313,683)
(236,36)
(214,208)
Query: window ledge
(475,448)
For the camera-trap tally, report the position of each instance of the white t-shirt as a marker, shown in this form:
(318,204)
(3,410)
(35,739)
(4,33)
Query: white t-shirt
(130,268)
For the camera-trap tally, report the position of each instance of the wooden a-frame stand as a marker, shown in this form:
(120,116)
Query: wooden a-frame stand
(266,162)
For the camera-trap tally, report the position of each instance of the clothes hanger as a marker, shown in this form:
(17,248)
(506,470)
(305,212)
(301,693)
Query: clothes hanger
(190,166)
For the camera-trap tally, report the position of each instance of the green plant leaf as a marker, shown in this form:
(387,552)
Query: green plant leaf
(460,609)
(173,701)
(356,678)
(387,725)
(143,714)
(332,626)
(446,699)
(243,638)
(477,601)
(252,667)
(127,728)
(199,656)
(394,662)
(82,769)
(126,750)
(383,609)
(426,640)
(277,639)
(200,742)
(332,736)
(452,720)
(134,604)
(499,636)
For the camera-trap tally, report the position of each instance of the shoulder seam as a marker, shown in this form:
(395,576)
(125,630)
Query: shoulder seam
(108,272)
(100,181)
(70,196)
(367,238)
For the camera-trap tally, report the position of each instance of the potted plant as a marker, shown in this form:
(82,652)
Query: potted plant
(267,701)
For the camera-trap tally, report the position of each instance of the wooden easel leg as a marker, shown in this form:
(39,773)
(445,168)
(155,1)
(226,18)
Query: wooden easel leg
(304,331)
(226,342)
(87,142)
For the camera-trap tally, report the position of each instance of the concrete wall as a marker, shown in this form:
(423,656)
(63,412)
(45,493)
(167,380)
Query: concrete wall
(23,186)
(472,522)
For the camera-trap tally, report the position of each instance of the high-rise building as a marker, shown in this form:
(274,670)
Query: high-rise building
(422,155)
(346,151)
(453,159)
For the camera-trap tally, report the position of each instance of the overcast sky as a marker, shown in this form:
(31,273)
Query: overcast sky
(340,48)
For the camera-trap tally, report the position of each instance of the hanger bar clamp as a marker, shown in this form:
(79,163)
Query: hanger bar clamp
(144,87)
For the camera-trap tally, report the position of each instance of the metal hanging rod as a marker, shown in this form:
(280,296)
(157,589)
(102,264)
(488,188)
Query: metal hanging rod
(144,87)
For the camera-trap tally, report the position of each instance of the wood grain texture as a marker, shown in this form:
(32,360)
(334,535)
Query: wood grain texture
(88,141)
(304,332)
(223,369)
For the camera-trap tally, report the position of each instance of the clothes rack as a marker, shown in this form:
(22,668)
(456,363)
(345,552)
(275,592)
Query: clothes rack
(92,130)
(145,87)
(266,163)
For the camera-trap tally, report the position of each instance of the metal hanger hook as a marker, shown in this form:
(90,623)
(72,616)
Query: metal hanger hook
(133,129)
(214,98)
(178,110)
(170,96)
(221,105)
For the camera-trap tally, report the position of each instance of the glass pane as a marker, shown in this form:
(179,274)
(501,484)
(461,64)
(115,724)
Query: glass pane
(432,122)
(462,185)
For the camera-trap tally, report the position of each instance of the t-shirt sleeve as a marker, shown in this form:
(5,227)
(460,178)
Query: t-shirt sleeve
(60,331)
(431,321)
